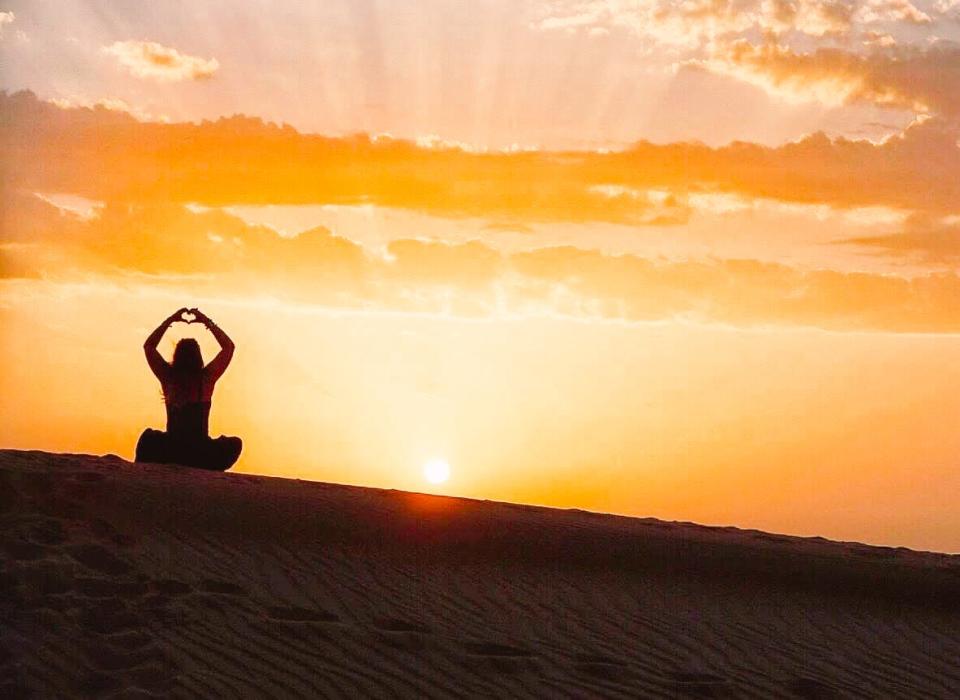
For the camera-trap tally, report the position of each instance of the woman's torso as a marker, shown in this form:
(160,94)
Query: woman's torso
(187,400)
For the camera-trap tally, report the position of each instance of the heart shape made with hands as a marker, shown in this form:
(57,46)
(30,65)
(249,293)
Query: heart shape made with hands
(188,317)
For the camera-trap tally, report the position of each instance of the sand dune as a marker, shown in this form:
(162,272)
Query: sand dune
(131,580)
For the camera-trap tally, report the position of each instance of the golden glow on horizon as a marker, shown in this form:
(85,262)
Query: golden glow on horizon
(846,435)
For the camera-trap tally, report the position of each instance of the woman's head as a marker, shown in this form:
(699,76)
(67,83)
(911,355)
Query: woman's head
(187,357)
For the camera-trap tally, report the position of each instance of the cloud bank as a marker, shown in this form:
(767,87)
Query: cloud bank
(147,174)
(103,155)
(213,253)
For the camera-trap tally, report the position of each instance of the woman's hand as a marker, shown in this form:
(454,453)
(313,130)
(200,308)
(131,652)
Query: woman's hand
(200,317)
(177,316)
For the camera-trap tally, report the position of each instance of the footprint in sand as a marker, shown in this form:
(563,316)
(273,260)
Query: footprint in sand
(78,487)
(123,646)
(47,532)
(107,533)
(33,538)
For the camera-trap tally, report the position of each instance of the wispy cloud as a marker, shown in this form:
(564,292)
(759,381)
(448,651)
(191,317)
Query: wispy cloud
(920,79)
(931,239)
(893,11)
(150,60)
(814,18)
(113,104)
(837,52)
(703,23)
(686,24)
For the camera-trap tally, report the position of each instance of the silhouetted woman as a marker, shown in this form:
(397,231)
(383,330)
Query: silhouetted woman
(187,391)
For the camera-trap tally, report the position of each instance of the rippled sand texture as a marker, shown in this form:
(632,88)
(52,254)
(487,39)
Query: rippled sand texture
(131,580)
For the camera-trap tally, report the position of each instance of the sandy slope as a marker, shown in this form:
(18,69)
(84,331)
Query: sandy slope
(129,580)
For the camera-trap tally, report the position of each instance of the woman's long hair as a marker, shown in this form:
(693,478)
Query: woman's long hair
(187,367)
(187,358)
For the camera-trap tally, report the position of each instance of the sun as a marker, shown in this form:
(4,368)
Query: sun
(436,471)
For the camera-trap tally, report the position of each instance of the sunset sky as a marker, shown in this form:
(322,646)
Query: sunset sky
(692,260)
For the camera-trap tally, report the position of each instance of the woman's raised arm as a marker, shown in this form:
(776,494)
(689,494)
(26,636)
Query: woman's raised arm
(218,365)
(157,364)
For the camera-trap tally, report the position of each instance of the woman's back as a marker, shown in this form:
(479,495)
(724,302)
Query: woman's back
(188,398)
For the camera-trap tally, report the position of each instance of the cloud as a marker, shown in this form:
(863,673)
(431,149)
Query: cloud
(114,104)
(686,24)
(212,252)
(811,17)
(920,79)
(878,39)
(47,149)
(150,60)
(892,11)
(800,50)
(697,24)
(7,18)
(931,239)
(694,24)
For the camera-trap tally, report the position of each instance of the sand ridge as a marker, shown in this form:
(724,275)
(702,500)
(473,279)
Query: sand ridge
(137,580)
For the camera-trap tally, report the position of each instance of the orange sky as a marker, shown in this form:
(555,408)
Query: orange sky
(516,236)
